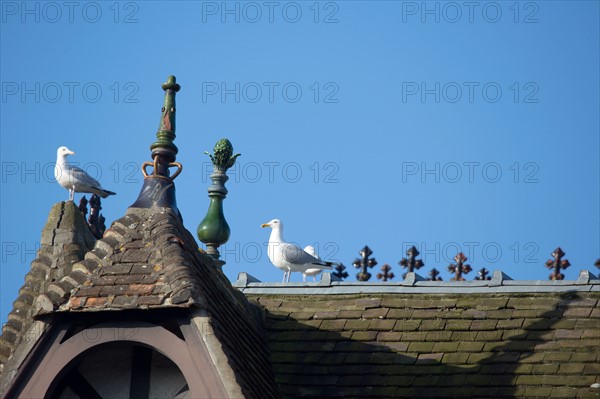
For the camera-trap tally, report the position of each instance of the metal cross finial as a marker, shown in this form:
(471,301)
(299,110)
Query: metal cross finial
(386,275)
(83,202)
(483,274)
(434,275)
(411,263)
(364,263)
(597,264)
(459,268)
(557,264)
(340,271)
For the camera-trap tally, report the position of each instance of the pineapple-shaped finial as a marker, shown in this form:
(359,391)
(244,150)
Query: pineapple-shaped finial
(223,157)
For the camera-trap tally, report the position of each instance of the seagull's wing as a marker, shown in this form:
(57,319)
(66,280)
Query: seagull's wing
(80,177)
(297,256)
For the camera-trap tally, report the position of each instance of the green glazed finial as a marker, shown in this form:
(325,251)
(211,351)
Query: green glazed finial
(166,128)
(223,157)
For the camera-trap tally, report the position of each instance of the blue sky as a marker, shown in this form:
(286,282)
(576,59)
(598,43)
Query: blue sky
(445,125)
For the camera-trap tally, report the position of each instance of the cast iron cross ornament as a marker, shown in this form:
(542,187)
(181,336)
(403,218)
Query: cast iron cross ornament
(96,220)
(459,268)
(364,263)
(411,263)
(434,275)
(557,264)
(386,275)
(597,264)
(483,274)
(340,272)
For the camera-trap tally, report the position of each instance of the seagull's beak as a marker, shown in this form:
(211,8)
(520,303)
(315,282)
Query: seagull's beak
(265,225)
(71,152)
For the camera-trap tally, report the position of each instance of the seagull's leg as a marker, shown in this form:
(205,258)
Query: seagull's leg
(303,278)
(72,194)
(315,279)
(284,276)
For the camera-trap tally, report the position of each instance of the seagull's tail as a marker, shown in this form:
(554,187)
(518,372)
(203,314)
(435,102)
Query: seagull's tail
(324,265)
(102,192)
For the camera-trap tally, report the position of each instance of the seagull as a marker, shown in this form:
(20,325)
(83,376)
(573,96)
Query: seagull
(309,249)
(75,179)
(289,257)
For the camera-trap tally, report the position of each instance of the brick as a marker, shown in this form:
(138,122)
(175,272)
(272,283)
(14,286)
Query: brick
(470,346)
(357,324)
(350,314)
(414,336)
(76,303)
(149,300)
(583,357)
(474,314)
(530,380)
(537,324)
(420,347)
(509,324)
(129,279)
(327,315)
(429,358)
(389,336)
(537,392)
(375,313)
(545,369)
(426,314)
(445,346)
(124,301)
(438,336)
(532,303)
(579,302)
(367,303)
(514,334)
(491,303)
(454,325)
(406,325)
(96,302)
(364,335)
(571,368)
(481,325)
(578,312)
(455,358)
(139,289)
(400,313)
(382,358)
(398,346)
(571,334)
(591,368)
(464,336)
(116,269)
(382,324)
(532,357)
(435,324)
(489,335)
(563,392)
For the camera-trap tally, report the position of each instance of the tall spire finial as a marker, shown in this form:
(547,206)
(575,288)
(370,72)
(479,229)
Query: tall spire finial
(158,188)
(166,129)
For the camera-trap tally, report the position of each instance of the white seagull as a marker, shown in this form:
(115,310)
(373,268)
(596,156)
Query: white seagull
(75,179)
(309,249)
(289,257)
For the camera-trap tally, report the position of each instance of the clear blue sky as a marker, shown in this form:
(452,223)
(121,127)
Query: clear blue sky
(455,127)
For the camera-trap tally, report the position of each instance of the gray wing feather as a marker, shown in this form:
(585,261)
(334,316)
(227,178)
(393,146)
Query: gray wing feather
(79,176)
(297,256)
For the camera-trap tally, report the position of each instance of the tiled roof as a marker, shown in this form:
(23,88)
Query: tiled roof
(451,344)
(65,240)
(148,260)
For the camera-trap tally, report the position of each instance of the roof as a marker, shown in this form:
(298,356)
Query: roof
(432,339)
(65,239)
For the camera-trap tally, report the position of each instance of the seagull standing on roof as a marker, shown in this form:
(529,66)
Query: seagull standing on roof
(75,179)
(309,249)
(289,257)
